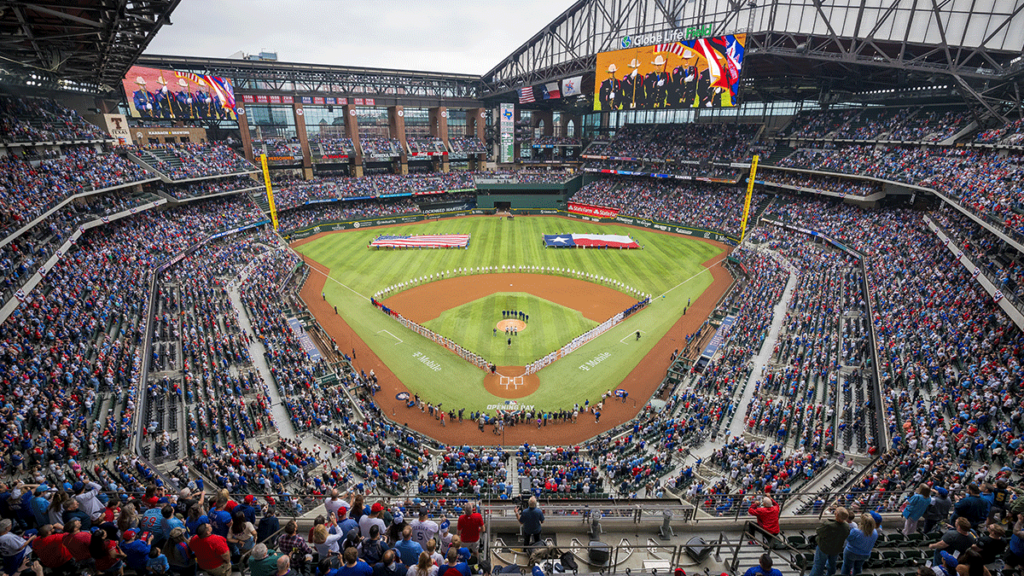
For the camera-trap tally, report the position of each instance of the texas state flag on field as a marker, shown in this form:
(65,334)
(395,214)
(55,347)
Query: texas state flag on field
(589,241)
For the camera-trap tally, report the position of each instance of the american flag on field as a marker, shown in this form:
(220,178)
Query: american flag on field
(433,241)
(526,95)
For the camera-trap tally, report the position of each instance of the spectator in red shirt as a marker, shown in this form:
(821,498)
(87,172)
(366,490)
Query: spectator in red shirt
(470,525)
(211,551)
(767,515)
(50,549)
(107,554)
(76,541)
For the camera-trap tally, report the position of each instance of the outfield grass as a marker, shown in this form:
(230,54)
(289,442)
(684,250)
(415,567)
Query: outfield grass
(472,325)
(667,264)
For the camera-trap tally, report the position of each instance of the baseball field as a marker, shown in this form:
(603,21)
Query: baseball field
(562,302)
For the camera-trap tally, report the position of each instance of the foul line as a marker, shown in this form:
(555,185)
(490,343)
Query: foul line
(400,341)
(329,277)
(632,335)
(708,269)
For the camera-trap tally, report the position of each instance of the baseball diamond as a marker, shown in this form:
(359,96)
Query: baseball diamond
(467,308)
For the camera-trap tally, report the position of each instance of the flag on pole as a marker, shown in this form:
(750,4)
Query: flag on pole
(572,86)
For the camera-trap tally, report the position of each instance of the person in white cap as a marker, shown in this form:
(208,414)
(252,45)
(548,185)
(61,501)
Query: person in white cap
(183,106)
(142,99)
(162,100)
(656,84)
(633,85)
(610,90)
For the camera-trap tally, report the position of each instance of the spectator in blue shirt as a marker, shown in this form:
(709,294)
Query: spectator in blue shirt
(408,549)
(354,566)
(916,506)
(859,544)
(973,507)
(456,568)
(764,568)
(136,550)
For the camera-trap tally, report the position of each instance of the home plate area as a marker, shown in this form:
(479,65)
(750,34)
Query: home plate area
(511,382)
(511,387)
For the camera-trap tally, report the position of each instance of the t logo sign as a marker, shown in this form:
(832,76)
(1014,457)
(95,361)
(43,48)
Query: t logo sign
(117,123)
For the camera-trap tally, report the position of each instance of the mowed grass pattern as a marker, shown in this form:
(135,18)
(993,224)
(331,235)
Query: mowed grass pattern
(667,263)
(472,325)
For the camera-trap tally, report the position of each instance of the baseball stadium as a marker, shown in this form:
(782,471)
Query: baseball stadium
(716,287)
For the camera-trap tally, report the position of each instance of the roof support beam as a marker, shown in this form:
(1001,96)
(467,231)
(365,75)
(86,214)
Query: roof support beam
(64,15)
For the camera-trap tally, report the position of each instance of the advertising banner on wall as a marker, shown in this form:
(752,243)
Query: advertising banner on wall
(588,210)
(688,73)
(117,126)
(507,125)
(166,94)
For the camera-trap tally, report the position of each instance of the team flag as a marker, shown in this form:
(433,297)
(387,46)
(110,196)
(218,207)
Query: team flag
(572,86)
(589,241)
(434,241)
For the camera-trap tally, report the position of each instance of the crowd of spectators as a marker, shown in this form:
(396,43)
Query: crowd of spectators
(949,389)
(898,124)
(78,335)
(985,249)
(555,141)
(293,193)
(31,185)
(985,181)
(681,143)
(846,186)
(380,146)
(1012,134)
(526,176)
(208,187)
(193,160)
(337,212)
(278,147)
(467,145)
(426,145)
(332,146)
(807,398)
(690,203)
(43,120)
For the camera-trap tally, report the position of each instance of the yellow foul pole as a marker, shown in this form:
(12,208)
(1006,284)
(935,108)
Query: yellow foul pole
(270,192)
(746,202)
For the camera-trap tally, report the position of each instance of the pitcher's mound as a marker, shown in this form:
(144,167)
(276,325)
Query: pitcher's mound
(519,325)
(511,387)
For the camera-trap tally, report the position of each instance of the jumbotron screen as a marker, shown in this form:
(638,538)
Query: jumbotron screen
(700,72)
(166,94)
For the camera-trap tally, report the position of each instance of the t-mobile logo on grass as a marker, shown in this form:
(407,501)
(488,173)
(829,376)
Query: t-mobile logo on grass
(427,361)
(586,366)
